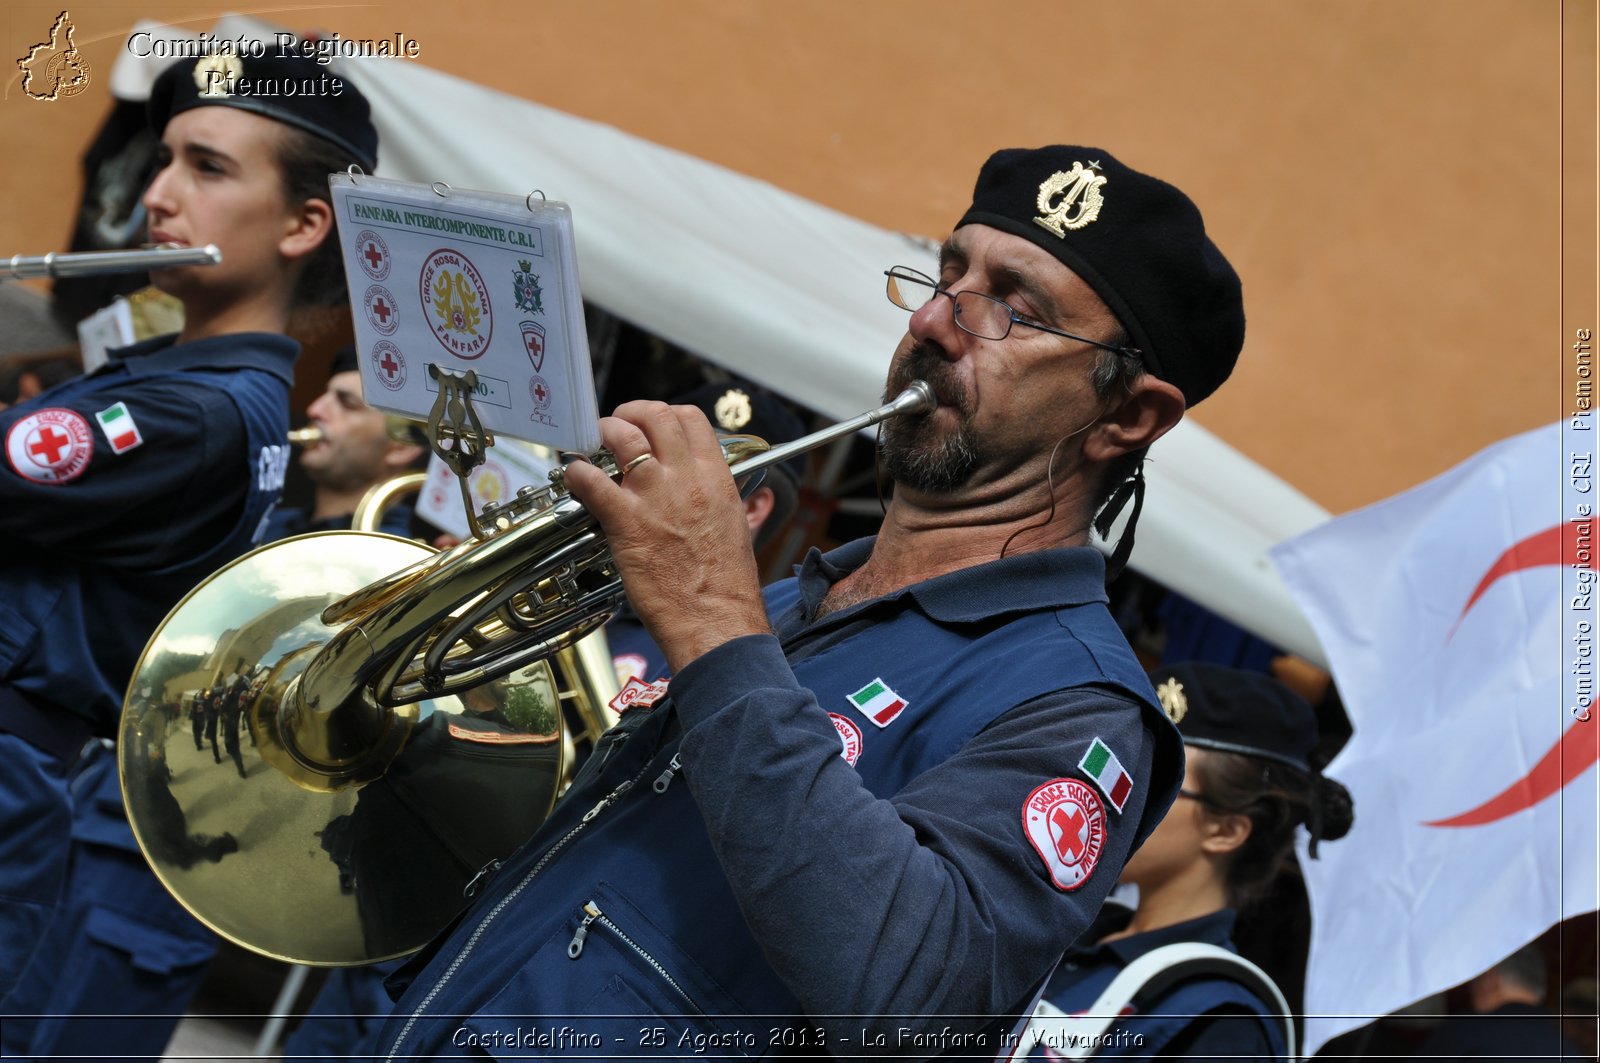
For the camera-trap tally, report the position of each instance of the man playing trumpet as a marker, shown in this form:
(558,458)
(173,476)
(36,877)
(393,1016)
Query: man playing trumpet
(350,454)
(873,808)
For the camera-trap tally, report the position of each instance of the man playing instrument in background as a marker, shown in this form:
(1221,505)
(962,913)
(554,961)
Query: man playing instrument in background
(353,455)
(875,807)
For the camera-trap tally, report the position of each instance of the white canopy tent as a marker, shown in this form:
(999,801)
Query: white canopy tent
(785,292)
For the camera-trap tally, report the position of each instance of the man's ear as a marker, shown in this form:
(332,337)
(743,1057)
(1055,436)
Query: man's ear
(758,507)
(1139,416)
(308,226)
(400,455)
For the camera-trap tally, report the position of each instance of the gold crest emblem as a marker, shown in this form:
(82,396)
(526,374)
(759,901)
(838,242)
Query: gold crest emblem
(455,300)
(1061,193)
(1173,702)
(214,75)
(732,410)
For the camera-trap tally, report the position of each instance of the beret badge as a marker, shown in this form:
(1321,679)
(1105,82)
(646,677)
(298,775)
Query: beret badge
(1062,193)
(215,74)
(733,410)
(1173,702)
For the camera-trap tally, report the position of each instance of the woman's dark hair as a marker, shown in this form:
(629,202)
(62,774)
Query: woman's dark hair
(1277,798)
(306,161)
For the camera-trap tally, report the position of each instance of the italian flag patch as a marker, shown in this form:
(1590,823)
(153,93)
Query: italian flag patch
(1107,772)
(117,423)
(878,703)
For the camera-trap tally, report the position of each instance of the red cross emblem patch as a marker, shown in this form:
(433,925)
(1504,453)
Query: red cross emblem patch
(637,692)
(1066,825)
(849,737)
(50,446)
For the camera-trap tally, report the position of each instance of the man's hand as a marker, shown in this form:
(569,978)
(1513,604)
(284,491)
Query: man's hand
(676,527)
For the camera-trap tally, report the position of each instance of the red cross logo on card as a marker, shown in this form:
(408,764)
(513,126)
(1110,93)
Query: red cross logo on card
(383,312)
(373,255)
(533,342)
(389,364)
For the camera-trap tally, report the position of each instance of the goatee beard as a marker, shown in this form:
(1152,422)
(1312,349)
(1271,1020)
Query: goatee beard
(914,452)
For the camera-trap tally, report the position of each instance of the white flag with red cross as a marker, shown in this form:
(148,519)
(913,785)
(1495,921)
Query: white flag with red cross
(1460,628)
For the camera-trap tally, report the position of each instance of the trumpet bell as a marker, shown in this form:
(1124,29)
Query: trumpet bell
(318,866)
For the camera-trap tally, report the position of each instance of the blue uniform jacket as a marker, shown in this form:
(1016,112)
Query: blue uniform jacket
(100,536)
(122,958)
(864,831)
(1203,1018)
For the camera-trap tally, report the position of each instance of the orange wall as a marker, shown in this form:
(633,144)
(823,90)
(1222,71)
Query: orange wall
(1386,174)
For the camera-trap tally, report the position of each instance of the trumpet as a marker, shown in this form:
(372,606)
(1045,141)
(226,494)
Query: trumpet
(400,429)
(407,722)
(95,263)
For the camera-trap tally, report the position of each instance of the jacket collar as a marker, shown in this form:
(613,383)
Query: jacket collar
(1040,579)
(1215,928)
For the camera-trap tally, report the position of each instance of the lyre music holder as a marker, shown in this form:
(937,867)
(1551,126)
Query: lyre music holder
(453,419)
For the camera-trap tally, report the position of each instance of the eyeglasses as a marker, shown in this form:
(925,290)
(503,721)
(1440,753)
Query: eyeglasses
(977,314)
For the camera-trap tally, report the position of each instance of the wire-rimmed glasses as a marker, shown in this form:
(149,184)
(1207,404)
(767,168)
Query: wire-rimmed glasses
(977,314)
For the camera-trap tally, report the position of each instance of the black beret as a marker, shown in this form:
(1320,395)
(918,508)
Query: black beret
(344,361)
(745,409)
(289,88)
(1237,712)
(1137,241)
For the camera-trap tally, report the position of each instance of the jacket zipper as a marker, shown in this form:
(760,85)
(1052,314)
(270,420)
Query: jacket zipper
(471,888)
(664,780)
(591,914)
(617,738)
(466,950)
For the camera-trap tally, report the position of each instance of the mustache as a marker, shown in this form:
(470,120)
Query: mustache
(927,361)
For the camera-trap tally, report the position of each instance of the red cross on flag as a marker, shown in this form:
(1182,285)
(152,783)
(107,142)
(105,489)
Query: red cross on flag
(1459,624)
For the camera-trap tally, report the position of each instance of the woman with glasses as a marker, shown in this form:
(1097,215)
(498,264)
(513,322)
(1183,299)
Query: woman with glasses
(1248,787)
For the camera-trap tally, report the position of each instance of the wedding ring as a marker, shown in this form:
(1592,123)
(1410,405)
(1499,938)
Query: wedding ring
(636,462)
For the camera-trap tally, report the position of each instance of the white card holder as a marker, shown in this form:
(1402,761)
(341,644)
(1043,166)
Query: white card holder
(468,280)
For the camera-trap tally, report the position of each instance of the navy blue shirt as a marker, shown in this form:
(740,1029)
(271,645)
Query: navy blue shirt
(870,822)
(120,491)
